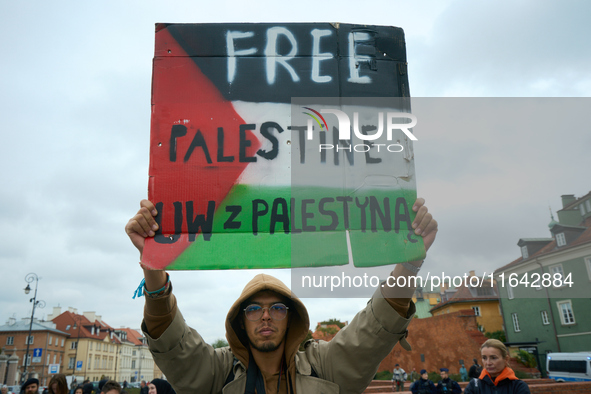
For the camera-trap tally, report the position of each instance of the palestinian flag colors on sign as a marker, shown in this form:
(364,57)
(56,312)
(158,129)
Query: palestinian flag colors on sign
(252,162)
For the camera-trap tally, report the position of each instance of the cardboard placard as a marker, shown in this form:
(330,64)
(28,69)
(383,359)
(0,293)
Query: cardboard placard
(250,163)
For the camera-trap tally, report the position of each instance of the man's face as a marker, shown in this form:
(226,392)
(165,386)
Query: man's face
(4,390)
(443,375)
(32,388)
(265,334)
(425,376)
(143,384)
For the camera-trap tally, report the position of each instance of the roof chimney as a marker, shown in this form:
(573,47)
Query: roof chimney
(472,273)
(567,199)
(91,316)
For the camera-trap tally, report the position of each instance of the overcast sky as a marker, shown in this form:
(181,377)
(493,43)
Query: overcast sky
(75,112)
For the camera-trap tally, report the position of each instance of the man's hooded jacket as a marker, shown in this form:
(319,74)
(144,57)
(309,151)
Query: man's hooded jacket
(346,364)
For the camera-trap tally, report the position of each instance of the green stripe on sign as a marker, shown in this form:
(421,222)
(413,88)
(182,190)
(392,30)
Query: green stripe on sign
(248,229)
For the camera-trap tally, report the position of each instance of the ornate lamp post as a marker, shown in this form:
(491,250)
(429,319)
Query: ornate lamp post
(41,304)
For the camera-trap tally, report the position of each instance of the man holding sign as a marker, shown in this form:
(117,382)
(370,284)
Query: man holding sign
(265,327)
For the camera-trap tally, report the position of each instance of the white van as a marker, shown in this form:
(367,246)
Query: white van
(569,367)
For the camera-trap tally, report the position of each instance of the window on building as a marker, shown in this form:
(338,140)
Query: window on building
(28,359)
(567,315)
(588,204)
(47,360)
(515,322)
(54,358)
(132,364)
(476,310)
(68,327)
(556,269)
(50,339)
(524,252)
(71,363)
(10,340)
(582,207)
(90,346)
(560,239)
(29,340)
(545,320)
(73,345)
(510,292)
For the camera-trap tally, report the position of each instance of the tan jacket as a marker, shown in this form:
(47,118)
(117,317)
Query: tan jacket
(346,364)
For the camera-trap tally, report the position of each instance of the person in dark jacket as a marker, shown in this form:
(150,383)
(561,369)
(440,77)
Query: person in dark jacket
(475,370)
(423,385)
(496,377)
(446,385)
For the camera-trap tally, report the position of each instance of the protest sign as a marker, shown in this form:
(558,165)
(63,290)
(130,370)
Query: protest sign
(280,145)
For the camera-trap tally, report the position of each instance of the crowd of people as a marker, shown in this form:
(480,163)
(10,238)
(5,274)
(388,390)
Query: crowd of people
(59,385)
(494,376)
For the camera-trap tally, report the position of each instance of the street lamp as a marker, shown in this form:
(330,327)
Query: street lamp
(41,304)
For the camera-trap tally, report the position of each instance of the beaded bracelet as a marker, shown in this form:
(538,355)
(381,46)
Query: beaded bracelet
(151,294)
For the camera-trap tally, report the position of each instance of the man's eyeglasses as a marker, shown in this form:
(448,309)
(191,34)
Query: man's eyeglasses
(276,311)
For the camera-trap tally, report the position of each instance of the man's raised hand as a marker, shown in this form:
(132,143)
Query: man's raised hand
(142,225)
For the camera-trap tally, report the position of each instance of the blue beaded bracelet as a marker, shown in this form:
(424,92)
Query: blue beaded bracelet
(142,287)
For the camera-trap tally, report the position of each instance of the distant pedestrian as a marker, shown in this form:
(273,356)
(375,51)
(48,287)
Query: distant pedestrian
(398,378)
(475,370)
(111,387)
(144,388)
(58,384)
(160,386)
(31,386)
(446,385)
(414,375)
(424,385)
(464,373)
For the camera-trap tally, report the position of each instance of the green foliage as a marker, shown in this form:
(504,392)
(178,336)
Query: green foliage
(132,390)
(500,335)
(527,359)
(384,375)
(434,377)
(219,343)
(522,375)
(456,376)
(333,321)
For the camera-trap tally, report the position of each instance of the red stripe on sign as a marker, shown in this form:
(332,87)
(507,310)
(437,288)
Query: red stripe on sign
(194,150)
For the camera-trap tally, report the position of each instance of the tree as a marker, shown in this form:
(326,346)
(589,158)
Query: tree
(333,321)
(219,343)
(500,335)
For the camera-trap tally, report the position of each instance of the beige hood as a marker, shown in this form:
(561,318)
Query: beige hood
(296,332)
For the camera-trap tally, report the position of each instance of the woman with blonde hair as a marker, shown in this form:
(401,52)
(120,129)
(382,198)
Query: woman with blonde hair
(496,376)
(58,384)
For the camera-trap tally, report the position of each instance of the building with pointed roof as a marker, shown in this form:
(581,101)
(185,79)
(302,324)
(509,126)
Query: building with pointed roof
(482,299)
(96,351)
(546,292)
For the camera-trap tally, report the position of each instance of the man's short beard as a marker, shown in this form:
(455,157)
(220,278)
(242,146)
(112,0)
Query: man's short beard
(267,347)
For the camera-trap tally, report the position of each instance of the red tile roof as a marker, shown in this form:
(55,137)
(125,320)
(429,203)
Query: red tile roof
(463,294)
(85,329)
